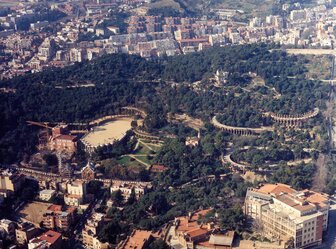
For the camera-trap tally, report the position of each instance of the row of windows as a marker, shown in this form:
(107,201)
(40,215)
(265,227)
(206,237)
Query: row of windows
(308,235)
(309,223)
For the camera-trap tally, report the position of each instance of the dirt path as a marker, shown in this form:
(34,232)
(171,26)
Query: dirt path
(311,51)
(145,144)
(320,178)
(140,161)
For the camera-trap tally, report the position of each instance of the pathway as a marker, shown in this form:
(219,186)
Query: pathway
(138,160)
(312,51)
(146,145)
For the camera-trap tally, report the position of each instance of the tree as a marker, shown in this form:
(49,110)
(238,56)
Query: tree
(94,187)
(159,204)
(110,232)
(132,198)
(144,175)
(117,197)
(50,159)
(158,244)
(231,218)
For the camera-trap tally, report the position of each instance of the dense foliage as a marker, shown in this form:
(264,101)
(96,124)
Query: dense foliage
(258,157)
(120,80)
(89,90)
(299,177)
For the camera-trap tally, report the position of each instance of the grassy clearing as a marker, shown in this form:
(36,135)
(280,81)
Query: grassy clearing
(142,150)
(129,162)
(144,159)
(318,66)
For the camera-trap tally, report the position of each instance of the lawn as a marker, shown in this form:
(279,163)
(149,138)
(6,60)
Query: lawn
(318,66)
(127,161)
(142,150)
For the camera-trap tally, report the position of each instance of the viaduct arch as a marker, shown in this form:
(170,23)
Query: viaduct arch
(241,131)
(293,120)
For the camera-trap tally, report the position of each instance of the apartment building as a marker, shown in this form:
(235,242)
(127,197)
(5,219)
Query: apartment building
(46,194)
(64,142)
(91,231)
(126,188)
(48,240)
(10,182)
(283,213)
(76,193)
(7,229)
(25,232)
(57,218)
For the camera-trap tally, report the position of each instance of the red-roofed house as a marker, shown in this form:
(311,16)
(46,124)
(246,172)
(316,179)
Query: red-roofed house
(64,143)
(192,234)
(139,239)
(50,240)
(158,168)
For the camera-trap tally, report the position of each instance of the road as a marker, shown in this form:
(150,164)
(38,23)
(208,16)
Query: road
(76,235)
(330,237)
(312,51)
(329,240)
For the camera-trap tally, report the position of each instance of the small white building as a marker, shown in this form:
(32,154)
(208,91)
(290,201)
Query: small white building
(221,77)
(47,194)
(7,229)
(73,200)
(126,188)
(76,193)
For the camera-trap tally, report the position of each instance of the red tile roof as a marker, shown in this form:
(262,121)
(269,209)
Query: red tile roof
(51,236)
(158,168)
(138,239)
(55,208)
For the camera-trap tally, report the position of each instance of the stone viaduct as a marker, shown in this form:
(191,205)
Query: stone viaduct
(242,131)
(286,120)
(293,120)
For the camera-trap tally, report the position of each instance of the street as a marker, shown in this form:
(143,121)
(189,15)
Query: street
(329,241)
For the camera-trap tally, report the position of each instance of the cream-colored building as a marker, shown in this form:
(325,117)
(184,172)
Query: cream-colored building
(282,213)
(77,187)
(76,193)
(91,231)
(10,182)
(25,232)
(7,229)
(47,194)
(126,188)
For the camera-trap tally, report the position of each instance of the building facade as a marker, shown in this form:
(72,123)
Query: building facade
(58,218)
(25,232)
(91,230)
(76,193)
(282,213)
(10,182)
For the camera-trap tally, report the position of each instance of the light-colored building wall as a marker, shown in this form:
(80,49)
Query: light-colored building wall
(283,213)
